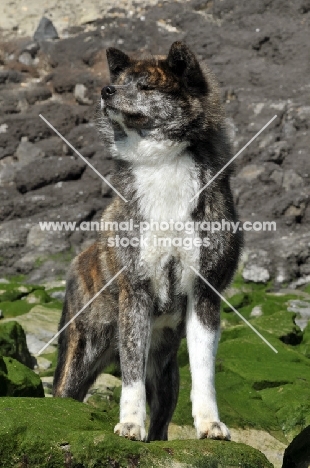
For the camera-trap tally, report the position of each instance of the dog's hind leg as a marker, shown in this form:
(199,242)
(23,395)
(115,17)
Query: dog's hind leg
(162,387)
(88,344)
(82,356)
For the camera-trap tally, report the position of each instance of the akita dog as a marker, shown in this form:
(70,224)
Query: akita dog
(164,123)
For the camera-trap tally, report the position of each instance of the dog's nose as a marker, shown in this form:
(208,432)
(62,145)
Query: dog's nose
(107,91)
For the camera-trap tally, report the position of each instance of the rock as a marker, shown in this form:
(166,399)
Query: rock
(87,436)
(250,172)
(33,48)
(292,180)
(237,300)
(45,30)
(43,364)
(276,152)
(39,296)
(47,171)
(40,325)
(18,380)
(35,345)
(89,16)
(10,76)
(13,343)
(297,454)
(25,58)
(59,295)
(37,93)
(7,174)
(257,266)
(47,241)
(27,152)
(80,92)
(302,308)
(261,440)
(256,311)
(277,176)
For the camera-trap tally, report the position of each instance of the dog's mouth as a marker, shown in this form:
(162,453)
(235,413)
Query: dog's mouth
(129,118)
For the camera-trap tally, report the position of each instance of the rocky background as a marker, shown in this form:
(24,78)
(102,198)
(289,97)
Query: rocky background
(258,50)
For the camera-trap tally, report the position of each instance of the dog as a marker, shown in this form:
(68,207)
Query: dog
(164,124)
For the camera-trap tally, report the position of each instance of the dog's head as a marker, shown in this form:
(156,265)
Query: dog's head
(162,97)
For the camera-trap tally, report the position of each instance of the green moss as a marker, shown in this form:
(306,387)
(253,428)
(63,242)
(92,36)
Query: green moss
(63,429)
(238,301)
(18,299)
(13,291)
(113,369)
(54,304)
(53,358)
(38,296)
(306,288)
(15,308)
(13,342)
(294,397)
(19,380)
(304,347)
(280,324)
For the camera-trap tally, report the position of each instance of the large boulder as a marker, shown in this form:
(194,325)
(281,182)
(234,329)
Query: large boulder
(61,432)
(17,380)
(13,343)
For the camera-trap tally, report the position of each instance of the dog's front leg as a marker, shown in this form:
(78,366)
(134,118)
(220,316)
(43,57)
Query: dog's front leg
(202,329)
(134,340)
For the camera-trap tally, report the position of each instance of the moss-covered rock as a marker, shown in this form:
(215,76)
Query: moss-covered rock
(13,343)
(39,296)
(18,380)
(12,291)
(57,433)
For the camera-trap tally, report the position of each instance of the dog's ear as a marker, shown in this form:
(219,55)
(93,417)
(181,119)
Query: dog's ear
(118,61)
(184,64)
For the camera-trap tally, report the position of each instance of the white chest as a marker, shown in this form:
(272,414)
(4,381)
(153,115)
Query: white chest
(165,191)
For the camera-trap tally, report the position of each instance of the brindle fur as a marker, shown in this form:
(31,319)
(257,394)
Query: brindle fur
(168,98)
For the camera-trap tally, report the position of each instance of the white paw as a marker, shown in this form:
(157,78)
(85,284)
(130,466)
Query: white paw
(130,431)
(212,430)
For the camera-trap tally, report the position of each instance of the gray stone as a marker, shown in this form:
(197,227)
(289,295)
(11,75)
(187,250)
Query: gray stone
(47,241)
(25,58)
(7,174)
(80,92)
(256,267)
(256,274)
(250,172)
(302,309)
(291,180)
(277,176)
(276,152)
(43,363)
(45,30)
(59,295)
(27,152)
(256,311)
(45,171)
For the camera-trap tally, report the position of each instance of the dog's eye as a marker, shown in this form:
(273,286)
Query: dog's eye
(145,87)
